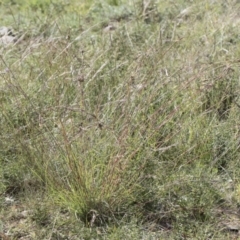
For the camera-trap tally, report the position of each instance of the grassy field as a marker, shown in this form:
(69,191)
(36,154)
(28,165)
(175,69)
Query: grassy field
(120,120)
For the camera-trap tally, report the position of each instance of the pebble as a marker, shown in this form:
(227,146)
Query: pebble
(7,36)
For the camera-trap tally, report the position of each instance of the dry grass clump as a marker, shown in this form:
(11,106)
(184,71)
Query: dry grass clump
(126,118)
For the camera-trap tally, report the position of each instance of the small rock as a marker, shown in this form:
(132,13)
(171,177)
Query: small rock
(185,12)
(109,28)
(6,40)
(5,31)
(7,36)
(9,200)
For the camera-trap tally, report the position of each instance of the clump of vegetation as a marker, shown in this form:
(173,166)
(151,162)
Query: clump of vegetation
(120,118)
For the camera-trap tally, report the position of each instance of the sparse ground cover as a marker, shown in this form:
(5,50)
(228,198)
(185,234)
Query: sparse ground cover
(120,120)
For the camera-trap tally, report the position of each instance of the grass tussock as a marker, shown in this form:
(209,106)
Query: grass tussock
(120,120)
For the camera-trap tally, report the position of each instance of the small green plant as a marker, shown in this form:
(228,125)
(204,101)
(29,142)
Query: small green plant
(41,216)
